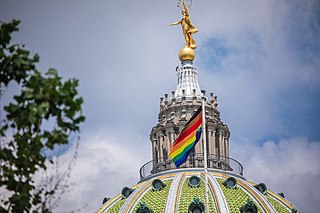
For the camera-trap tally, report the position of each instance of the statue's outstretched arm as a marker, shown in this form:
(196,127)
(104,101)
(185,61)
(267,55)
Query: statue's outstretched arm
(175,23)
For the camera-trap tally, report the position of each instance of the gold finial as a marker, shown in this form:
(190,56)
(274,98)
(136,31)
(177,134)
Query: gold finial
(188,29)
(186,54)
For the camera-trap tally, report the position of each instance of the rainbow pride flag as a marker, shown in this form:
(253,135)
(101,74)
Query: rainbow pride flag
(187,139)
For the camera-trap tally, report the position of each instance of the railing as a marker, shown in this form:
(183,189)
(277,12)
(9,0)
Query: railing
(193,161)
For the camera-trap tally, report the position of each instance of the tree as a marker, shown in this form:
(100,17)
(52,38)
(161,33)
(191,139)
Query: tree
(39,119)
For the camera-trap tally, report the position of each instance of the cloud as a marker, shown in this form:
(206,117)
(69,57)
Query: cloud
(289,165)
(107,161)
(264,65)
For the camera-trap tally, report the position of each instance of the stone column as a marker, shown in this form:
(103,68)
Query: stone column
(221,145)
(208,139)
(214,150)
(169,140)
(211,137)
(159,146)
(227,147)
(154,149)
(213,140)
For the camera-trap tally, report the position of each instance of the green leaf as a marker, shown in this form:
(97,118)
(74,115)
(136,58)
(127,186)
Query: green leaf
(43,98)
(52,71)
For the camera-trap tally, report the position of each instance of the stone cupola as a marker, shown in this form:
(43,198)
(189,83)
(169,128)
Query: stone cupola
(176,110)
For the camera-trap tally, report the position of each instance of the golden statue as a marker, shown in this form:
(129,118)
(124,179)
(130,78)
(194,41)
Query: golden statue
(187,28)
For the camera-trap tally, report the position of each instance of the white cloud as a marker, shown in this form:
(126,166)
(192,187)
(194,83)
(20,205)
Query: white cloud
(107,161)
(289,165)
(268,69)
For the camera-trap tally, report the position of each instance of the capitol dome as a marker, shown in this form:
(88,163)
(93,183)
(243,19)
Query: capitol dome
(183,190)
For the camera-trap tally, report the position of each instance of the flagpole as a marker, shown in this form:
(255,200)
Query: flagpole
(204,139)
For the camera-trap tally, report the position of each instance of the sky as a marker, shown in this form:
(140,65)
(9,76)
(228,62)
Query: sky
(261,58)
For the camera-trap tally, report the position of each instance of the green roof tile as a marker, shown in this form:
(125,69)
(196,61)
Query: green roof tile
(279,207)
(189,193)
(156,200)
(116,206)
(235,197)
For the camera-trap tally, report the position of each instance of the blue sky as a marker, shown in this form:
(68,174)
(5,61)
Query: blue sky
(261,58)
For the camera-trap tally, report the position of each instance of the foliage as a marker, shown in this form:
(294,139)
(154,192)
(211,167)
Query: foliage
(41,117)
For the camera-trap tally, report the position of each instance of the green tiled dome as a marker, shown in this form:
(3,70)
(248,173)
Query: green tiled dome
(177,195)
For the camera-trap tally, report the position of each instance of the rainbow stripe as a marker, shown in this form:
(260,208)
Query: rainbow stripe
(187,139)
